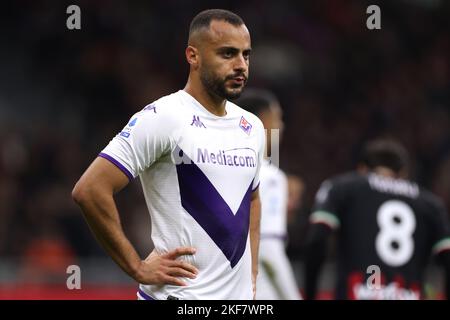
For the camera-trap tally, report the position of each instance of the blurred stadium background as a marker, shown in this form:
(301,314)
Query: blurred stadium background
(64,94)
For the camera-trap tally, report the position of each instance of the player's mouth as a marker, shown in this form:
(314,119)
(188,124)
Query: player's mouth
(238,80)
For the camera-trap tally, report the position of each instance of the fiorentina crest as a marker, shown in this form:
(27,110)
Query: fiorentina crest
(245,125)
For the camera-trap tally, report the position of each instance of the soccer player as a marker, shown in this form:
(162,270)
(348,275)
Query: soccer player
(387,229)
(198,157)
(276,280)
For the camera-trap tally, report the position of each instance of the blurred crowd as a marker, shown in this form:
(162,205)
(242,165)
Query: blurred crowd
(65,93)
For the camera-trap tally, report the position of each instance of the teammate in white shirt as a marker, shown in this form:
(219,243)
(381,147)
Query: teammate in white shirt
(198,158)
(276,280)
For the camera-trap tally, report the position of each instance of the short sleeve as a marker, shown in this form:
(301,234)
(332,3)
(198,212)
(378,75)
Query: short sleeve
(261,149)
(147,136)
(328,201)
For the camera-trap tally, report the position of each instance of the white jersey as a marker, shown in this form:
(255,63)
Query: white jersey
(274,198)
(276,280)
(198,171)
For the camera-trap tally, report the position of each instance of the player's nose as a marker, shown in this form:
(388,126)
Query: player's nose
(240,63)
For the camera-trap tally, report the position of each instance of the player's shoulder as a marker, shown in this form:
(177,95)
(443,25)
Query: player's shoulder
(431,200)
(348,179)
(165,109)
(343,184)
(273,171)
(248,116)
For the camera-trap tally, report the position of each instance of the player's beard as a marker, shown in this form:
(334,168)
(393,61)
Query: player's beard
(216,85)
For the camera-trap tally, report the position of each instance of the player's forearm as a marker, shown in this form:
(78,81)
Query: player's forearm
(101,214)
(255,218)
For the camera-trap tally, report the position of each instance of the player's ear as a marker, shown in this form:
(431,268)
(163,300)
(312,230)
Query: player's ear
(192,56)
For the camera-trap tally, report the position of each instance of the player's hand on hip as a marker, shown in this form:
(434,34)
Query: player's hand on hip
(161,269)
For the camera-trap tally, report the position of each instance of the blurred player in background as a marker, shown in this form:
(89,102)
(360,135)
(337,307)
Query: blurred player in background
(382,221)
(198,158)
(298,217)
(296,190)
(276,280)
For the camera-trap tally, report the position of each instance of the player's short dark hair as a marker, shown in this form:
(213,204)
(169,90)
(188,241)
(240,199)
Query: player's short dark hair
(385,153)
(256,100)
(204,18)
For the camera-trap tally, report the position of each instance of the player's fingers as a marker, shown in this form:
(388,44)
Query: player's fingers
(179,272)
(173,281)
(184,265)
(181,251)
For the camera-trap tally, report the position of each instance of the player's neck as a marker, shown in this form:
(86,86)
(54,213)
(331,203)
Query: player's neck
(214,104)
(386,172)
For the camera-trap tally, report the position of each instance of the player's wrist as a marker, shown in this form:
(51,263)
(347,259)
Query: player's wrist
(137,271)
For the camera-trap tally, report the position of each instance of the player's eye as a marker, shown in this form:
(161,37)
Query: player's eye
(227,54)
(246,54)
